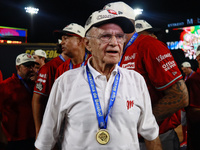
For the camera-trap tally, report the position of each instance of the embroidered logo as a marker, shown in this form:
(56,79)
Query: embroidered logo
(129,104)
(39,86)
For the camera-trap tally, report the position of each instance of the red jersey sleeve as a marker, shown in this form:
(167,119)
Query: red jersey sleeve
(42,85)
(159,63)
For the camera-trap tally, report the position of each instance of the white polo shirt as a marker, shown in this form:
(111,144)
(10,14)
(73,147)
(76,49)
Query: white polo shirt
(71,98)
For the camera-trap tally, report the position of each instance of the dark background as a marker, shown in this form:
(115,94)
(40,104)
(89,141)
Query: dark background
(56,14)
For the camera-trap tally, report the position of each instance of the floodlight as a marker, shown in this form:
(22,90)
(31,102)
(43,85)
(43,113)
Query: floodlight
(31,10)
(138,11)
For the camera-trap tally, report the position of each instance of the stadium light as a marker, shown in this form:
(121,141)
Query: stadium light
(31,10)
(138,11)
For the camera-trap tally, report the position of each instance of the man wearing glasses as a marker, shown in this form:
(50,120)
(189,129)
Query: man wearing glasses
(104,105)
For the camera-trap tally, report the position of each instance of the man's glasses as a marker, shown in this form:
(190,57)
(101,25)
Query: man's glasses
(106,37)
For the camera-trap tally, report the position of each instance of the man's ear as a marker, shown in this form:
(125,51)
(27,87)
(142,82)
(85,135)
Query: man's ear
(17,67)
(87,44)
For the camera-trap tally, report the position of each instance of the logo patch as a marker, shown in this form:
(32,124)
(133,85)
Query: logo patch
(129,104)
(39,86)
(130,65)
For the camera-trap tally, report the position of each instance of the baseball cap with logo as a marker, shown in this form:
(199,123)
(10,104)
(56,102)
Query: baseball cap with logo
(40,52)
(122,9)
(25,59)
(186,64)
(142,25)
(71,29)
(101,17)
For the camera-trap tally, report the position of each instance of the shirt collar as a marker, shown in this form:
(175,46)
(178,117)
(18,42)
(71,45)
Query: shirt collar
(95,73)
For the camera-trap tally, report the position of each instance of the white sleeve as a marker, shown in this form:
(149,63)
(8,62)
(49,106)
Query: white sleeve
(52,120)
(147,127)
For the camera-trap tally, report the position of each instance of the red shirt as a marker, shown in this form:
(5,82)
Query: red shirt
(154,61)
(193,85)
(1,76)
(46,76)
(66,66)
(16,109)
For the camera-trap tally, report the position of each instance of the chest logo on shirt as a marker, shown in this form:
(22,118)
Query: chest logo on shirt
(39,86)
(170,64)
(127,58)
(162,57)
(129,104)
(130,65)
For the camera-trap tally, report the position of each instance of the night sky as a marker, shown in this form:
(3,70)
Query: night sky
(56,14)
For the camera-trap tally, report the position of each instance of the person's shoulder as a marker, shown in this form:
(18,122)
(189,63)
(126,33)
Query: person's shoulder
(10,80)
(131,73)
(71,74)
(147,39)
(65,64)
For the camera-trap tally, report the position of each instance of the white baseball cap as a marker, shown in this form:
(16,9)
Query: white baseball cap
(40,52)
(24,59)
(72,29)
(101,17)
(122,9)
(186,64)
(142,25)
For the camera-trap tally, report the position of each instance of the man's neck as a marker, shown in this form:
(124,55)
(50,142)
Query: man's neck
(78,58)
(64,56)
(104,69)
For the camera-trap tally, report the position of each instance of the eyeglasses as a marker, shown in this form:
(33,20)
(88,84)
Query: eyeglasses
(106,37)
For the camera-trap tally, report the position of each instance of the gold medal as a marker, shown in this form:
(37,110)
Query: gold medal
(102,136)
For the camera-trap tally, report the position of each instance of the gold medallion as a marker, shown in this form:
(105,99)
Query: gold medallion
(102,136)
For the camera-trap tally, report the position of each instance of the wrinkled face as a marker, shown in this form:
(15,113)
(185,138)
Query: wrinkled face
(106,43)
(186,70)
(69,44)
(25,71)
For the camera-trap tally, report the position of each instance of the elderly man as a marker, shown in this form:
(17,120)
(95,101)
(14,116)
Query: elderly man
(105,106)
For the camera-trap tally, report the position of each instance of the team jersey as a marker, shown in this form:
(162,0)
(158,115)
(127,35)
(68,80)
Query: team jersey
(16,109)
(46,76)
(154,61)
(193,84)
(66,66)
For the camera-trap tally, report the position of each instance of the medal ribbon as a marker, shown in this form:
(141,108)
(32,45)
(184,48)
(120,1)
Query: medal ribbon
(26,86)
(102,123)
(61,57)
(83,63)
(130,42)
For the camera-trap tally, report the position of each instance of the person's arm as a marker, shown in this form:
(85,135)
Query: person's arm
(38,106)
(154,144)
(176,97)
(3,139)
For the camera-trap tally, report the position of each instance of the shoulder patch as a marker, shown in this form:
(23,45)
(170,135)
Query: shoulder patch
(39,86)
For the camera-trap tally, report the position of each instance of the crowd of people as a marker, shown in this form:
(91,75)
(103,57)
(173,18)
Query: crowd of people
(114,86)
